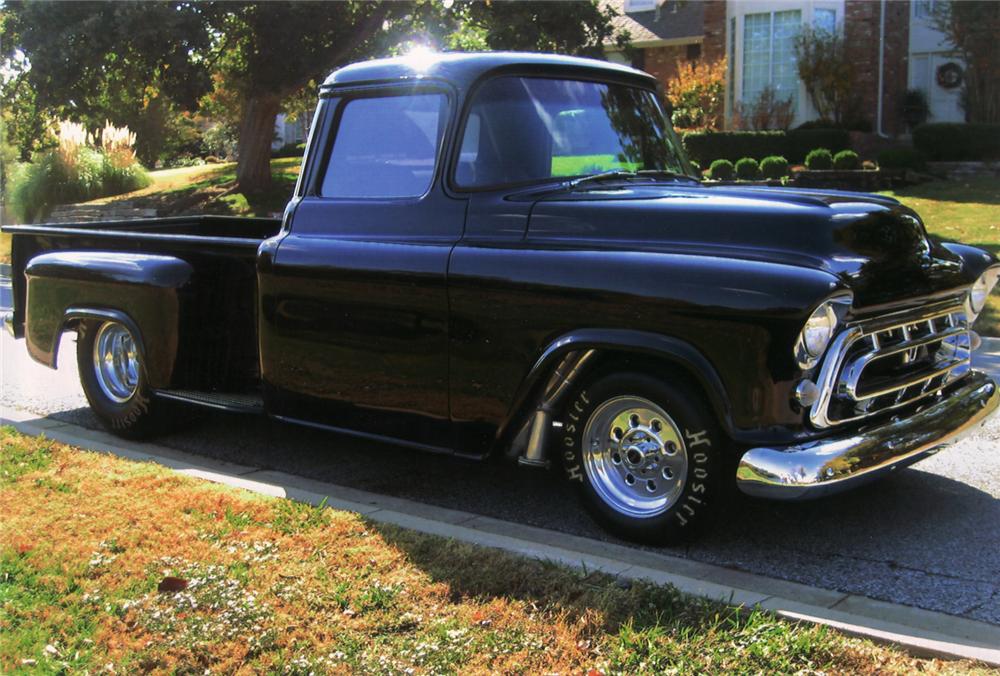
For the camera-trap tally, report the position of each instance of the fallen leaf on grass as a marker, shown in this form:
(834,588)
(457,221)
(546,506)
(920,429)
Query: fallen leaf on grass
(172,584)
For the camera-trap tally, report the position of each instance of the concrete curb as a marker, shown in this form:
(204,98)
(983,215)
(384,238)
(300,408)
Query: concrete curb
(919,632)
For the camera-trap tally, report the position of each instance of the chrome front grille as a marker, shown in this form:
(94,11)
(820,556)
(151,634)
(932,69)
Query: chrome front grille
(887,363)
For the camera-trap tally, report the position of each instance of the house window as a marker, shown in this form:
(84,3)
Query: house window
(825,20)
(769,54)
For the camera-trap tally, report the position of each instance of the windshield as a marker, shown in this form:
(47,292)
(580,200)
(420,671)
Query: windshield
(522,129)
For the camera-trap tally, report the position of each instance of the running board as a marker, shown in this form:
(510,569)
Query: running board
(235,402)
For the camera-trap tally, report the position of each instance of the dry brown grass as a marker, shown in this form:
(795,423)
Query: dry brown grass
(275,586)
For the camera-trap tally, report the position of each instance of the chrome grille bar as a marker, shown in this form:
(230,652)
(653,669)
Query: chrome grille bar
(889,362)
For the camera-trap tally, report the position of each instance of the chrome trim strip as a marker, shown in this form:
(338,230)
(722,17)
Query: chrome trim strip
(829,374)
(831,465)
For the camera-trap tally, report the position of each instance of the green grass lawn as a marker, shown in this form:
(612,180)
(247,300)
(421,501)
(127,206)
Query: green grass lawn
(965,211)
(114,566)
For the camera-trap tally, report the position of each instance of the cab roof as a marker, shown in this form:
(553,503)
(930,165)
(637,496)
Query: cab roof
(464,68)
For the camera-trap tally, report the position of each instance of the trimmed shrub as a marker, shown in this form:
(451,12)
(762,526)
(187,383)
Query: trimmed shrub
(846,160)
(774,166)
(901,158)
(722,170)
(953,142)
(819,159)
(704,147)
(747,169)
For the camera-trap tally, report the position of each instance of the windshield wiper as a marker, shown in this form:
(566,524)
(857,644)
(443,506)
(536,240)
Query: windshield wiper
(627,175)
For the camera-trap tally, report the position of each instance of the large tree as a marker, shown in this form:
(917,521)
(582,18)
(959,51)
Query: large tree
(91,61)
(265,52)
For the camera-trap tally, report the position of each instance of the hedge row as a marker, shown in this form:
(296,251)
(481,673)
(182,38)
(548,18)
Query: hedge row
(704,147)
(952,142)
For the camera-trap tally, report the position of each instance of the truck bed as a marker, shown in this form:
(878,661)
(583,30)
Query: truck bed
(218,334)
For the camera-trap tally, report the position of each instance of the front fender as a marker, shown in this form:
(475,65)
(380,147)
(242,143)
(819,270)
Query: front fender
(67,286)
(660,347)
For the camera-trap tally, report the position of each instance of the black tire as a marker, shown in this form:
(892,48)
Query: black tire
(695,496)
(138,416)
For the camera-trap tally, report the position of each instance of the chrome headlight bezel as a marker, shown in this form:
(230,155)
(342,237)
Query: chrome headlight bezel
(820,328)
(979,292)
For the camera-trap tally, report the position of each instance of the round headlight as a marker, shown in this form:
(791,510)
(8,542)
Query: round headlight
(819,330)
(980,292)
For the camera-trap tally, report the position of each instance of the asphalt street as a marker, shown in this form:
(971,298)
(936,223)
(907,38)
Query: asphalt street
(927,536)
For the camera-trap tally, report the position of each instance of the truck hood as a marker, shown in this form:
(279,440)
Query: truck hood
(875,245)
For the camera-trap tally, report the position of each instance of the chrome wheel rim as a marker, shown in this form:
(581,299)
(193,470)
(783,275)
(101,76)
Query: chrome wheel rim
(116,362)
(634,456)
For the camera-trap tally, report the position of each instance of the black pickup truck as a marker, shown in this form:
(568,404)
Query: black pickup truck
(510,254)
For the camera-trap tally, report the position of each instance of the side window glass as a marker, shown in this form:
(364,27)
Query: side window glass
(385,147)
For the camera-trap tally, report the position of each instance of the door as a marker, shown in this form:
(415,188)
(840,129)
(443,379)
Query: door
(354,306)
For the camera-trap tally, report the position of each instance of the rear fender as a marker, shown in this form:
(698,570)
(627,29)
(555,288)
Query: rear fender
(139,290)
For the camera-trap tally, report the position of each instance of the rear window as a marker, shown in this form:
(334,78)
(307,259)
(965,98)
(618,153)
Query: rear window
(386,147)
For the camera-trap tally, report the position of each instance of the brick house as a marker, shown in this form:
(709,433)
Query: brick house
(895,42)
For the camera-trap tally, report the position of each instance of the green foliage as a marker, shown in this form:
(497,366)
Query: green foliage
(901,158)
(952,142)
(774,166)
(722,170)
(819,159)
(747,169)
(827,68)
(846,160)
(21,455)
(794,144)
(50,180)
(695,166)
(697,94)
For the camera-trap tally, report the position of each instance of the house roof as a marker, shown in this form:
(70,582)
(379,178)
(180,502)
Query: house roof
(673,21)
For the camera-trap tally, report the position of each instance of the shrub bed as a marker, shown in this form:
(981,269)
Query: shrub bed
(77,170)
(901,158)
(704,147)
(951,142)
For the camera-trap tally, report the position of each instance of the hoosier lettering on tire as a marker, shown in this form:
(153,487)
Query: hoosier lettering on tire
(114,379)
(644,455)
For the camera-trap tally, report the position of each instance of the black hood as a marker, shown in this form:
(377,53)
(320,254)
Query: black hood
(875,245)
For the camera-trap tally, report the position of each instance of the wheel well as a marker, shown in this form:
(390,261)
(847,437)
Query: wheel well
(610,361)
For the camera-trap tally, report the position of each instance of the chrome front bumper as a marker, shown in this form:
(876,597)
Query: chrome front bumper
(838,463)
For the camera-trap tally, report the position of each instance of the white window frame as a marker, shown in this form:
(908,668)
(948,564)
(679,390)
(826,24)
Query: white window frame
(735,49)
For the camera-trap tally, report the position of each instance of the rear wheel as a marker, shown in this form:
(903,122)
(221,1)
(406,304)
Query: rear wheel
(113,376)
(644,453)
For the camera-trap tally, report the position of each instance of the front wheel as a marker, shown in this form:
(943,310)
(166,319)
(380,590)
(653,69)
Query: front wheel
(113,376)
(645,455)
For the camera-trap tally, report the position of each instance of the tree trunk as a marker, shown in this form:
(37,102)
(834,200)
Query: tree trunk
(253,168)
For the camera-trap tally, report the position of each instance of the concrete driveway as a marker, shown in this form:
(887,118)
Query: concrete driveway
(927,536)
